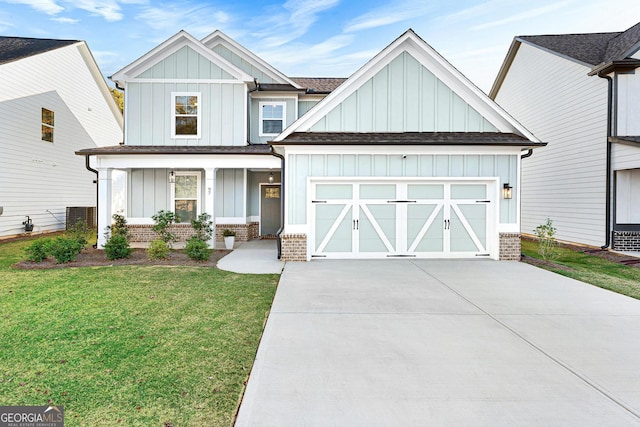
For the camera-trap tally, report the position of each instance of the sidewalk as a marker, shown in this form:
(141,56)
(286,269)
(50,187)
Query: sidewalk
(253,257)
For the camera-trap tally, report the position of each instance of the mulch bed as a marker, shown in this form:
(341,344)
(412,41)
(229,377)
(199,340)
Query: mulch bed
(543,263)
(91,257)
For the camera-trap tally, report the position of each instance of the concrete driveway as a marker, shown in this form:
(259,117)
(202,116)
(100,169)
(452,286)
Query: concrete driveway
(432,342)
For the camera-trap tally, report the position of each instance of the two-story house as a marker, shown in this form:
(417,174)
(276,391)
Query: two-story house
(406,158)
(581,94)
(53,102)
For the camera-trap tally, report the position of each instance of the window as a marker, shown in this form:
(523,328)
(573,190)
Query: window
(271,118)
(186,115)
(186,196)
(47,125)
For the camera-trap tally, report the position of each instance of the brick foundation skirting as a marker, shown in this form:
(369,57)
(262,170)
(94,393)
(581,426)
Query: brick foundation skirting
(244,232)
(294,247)
(509,247)
(144,232)
(626,241)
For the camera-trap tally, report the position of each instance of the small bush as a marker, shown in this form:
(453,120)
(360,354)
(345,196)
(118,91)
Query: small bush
(119,227)
(80,232)
(117,247)
(65,249)
(39,250)
(163,219)
(203,227)
(197,249)
(158,249)
(547,244)
(228,233)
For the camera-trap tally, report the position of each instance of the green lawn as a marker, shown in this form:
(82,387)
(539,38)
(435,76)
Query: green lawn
(150,346)
(592,269)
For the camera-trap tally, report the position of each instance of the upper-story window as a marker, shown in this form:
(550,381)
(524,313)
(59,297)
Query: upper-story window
(272,116)
(47,125)
(185,120)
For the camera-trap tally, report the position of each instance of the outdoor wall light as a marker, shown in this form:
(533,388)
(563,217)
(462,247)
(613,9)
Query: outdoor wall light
(507,191)
(271,178)
(172,178)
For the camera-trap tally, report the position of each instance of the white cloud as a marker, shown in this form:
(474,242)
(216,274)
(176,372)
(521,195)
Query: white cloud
(522,16)
(197,19)
(50,7)
(390,14)
(108,9)
(63,20)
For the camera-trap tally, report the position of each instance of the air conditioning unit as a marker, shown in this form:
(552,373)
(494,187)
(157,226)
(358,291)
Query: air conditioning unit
(85,213)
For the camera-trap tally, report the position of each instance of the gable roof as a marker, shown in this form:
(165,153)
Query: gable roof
(218,37)
(319,84)
(598,51)
(16,48)
(411,43)
(170,46)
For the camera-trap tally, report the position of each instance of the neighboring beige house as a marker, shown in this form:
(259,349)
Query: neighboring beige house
(581,94)
(406,158)
(53,101)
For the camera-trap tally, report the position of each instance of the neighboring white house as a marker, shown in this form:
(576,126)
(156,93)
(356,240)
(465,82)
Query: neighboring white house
(53,101)
(581,94)
(406,158)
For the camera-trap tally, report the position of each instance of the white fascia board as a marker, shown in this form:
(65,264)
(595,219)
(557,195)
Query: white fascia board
(218,37)
(171,46)
(402,149)
(279,95)
(431,60)
(186,161)
(504,68)
(88,58)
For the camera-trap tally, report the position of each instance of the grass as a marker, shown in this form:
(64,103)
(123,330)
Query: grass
(129,345)
(591,269)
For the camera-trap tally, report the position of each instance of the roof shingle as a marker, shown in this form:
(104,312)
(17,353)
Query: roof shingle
(319,84)
(15,48)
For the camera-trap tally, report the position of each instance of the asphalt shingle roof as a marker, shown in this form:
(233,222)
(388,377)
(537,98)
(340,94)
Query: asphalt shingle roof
(176,149)
(319,84)
(15,48)
(592,48)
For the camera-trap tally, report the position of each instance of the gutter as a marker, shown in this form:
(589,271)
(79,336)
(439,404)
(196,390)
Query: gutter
(95,181)
(282,206)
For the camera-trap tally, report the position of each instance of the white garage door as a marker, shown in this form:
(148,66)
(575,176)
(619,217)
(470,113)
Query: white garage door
(403,219)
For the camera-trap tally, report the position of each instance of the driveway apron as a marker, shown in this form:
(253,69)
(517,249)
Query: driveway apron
(443,342)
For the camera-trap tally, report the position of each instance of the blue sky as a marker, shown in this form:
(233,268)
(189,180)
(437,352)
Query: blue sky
(330,38)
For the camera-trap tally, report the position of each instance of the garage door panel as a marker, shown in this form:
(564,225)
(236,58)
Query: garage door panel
(425,230)
(334,191)
(333,228)
(378,191)
(468,234)
(468,191)
(425,191)
(377,228)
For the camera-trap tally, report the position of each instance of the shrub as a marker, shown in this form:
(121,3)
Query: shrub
(203,227)
(80,232)
(197,249)
(163,219)
(158,249)
(39,250)
(547,243)
(117,247)
(65,249)
(228,233)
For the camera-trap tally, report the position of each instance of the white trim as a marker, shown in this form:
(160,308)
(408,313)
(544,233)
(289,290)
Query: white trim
(410,42)
(198,115)
(282,95)
(261,118)
(197,174)
(195,81)
(191,161)
(139,221)
(230,220)
(401,150)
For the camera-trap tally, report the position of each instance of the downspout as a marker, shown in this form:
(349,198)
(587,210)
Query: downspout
(607,243)
(529,153)
(282,207)
(95,181)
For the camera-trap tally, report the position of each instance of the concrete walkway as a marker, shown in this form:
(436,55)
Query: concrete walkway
(442,343)
(253,257)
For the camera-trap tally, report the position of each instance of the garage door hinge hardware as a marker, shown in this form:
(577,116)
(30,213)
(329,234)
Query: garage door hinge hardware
(318,256)
(401,256)
(318,201)
(401,201)
(483,201)
(483,254)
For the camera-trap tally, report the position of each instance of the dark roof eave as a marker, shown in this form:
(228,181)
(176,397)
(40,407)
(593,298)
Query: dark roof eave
(606,68)
(416,143)
(123,150)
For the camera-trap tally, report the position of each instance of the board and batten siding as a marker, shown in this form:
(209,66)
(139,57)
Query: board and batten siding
(304,106)
(185,63)
(403,97)
(39,178)
(230,193)
(302,166)
(245,66)
(254,117)
(565,181)
(149,113)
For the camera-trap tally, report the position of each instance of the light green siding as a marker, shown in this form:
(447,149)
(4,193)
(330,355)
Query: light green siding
(254,117)
(149,191)
(304,106)
(186,63)
(243,65)
(302,166)
(149,113)
(403,97)
(229,193)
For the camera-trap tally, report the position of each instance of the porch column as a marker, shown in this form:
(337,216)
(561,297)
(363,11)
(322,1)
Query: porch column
(104,204)
(209,200)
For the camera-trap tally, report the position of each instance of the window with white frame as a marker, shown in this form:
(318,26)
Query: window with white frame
(185,194)
(272,116)
(185,117)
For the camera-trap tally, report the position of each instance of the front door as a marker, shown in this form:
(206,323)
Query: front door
(269,209)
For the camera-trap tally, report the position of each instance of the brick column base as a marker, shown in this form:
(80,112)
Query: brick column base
(294,247)
(510,247)
(626,241)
